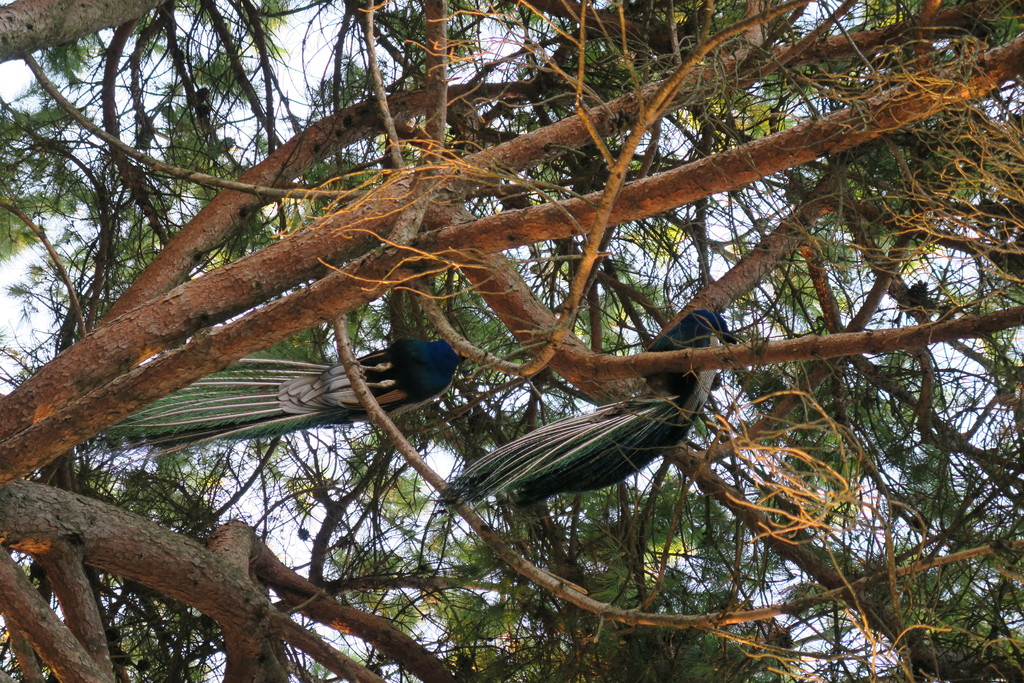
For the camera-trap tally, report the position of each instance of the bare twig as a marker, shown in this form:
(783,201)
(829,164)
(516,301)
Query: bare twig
(393,143)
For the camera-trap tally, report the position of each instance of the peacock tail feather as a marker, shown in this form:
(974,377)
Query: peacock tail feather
(263,397)
(582,453)
(242,402)
(601,448)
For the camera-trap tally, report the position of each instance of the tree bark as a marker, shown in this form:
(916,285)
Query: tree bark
(30,25)
(38,519)
(45,424)
(23,608)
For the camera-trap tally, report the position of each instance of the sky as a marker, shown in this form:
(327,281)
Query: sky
(14,78)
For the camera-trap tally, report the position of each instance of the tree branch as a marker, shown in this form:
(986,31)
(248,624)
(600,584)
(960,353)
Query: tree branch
(66,575)
(34,408)
(25,609)
(30,25)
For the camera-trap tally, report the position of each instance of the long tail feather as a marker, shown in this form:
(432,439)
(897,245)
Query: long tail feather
(241,402)
(575,455)
(582,453)
(601,448)
(262,397)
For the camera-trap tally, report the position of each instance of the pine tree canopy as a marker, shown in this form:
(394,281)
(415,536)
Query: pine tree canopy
(495,217)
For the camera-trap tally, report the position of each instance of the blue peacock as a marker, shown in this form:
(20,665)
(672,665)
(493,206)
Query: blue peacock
(262,397)
(601,448)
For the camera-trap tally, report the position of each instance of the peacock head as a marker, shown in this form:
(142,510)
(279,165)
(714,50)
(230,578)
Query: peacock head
(443,355)
(696,329)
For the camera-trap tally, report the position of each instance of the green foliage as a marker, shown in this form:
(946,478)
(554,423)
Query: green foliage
(866,464)
(14,236)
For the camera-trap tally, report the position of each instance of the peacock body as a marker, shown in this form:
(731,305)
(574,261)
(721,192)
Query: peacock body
(262,397)
(601,448)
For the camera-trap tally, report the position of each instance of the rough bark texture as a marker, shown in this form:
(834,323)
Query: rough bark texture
(25,609)
(66,575)
(34,519)
(42,402)
(30,25)
(38,519)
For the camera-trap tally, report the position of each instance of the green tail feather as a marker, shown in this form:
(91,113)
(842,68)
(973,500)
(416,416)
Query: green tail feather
(583,453)
(239,403)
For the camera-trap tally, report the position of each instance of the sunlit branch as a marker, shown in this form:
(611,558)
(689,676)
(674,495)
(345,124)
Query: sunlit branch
(373,66)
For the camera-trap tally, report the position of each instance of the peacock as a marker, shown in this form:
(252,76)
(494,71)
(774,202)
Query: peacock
(598,449)
(262,397)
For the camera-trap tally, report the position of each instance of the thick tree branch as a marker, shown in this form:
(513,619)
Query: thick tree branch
(30,25)
(236,544)
(230,209)
(23,608)
(66,575)
(40,405)
(331,658)
(35,518)
(304,597)
(31,672)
